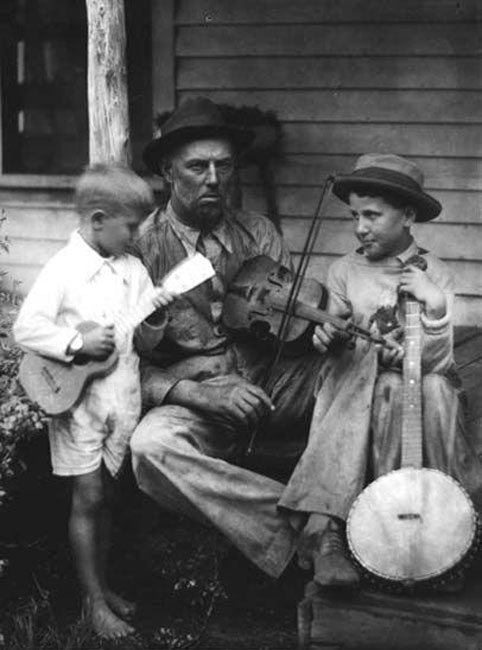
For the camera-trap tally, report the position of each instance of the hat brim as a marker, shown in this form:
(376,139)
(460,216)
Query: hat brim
(159,148)
(426,206)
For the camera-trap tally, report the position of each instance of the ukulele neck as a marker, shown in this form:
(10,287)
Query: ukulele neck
(125,323)
(412,455)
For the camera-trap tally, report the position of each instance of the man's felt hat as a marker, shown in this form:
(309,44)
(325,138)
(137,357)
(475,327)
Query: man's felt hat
(194,120)
(386,172)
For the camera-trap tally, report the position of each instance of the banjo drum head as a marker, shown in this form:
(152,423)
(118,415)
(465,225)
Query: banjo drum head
(411,525)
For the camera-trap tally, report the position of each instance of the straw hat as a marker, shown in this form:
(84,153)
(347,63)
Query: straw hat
(390,173)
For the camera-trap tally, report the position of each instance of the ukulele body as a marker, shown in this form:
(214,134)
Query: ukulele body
(57,386)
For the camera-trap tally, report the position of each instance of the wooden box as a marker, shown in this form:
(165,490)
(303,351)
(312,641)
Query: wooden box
(373,620)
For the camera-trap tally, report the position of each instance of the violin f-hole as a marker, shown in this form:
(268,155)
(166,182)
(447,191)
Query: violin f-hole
(260,330)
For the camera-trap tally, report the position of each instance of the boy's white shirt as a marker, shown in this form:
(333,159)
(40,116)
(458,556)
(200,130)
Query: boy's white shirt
(78,284)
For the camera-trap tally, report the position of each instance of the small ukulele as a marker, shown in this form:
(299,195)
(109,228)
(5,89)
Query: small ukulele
(57,386)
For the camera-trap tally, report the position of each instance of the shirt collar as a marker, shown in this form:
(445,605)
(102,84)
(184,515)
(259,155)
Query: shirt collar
(190,236)
(409,252)
(88,262)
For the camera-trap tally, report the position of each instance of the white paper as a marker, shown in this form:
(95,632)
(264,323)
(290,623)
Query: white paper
(188,274)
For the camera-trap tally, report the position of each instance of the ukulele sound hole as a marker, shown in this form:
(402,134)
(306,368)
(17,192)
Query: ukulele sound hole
(409,516)
(50,379)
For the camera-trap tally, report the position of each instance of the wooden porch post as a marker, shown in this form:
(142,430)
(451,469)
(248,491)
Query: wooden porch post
(109,139)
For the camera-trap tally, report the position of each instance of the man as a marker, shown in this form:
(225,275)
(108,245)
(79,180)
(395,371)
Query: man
(356,427)
(202,388)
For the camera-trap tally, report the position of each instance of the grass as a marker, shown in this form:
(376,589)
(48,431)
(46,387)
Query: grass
(177,572)
(34,626)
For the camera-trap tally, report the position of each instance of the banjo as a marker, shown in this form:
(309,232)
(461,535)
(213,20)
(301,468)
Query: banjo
(413,525)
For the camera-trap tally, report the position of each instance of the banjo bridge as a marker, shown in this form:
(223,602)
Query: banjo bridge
(409,516)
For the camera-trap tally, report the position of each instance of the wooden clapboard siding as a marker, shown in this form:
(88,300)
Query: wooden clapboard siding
(451,140)
(389,39)
(310,170)
(299,201)
(328,11)
(329,72)
(346,77)
(40,218)
(387,105)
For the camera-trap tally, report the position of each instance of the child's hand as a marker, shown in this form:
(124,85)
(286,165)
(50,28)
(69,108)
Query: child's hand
(328,336)
(99,342)
(392,353)
(162,297)
(417,283)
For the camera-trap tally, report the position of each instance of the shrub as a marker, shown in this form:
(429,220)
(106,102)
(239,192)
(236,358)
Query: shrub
(20,419)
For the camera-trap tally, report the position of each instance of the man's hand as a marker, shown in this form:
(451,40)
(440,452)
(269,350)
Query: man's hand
(230,397)
(98,343)
(417,283)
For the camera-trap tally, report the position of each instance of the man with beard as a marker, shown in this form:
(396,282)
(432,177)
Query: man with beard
(202,388)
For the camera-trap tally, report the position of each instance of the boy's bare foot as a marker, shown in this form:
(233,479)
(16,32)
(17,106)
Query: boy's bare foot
(120,606)
(105,623)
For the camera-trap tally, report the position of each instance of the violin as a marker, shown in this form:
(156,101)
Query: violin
(257,300)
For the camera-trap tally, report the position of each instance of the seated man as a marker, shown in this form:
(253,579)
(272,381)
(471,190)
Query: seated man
(202,388)
(356,428)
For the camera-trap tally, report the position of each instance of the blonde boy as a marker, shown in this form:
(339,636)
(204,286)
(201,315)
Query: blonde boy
(94,278)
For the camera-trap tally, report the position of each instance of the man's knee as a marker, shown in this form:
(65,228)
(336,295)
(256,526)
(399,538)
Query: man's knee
(150,434)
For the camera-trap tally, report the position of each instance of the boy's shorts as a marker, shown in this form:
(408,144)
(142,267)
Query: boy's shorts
(100,427)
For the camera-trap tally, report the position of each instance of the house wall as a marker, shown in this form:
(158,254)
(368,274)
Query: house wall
(347,77)
(344,77)
(43,99)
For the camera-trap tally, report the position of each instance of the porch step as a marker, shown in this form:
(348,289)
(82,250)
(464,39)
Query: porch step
(377,621)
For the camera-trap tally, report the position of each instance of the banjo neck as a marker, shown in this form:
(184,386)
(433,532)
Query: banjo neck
(412,436)
(414,524)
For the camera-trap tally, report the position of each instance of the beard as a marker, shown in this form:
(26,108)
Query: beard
(207,217)
(200,213)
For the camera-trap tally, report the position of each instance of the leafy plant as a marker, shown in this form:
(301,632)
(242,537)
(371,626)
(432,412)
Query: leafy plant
(20,419)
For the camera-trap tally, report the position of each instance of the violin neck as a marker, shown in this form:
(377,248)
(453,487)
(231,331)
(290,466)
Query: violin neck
(320,316)
(312,314)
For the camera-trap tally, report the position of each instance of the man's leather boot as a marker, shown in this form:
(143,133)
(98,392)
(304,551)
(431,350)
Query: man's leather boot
(332,568)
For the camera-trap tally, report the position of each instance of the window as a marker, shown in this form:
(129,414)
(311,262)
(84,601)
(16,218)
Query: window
(44,89)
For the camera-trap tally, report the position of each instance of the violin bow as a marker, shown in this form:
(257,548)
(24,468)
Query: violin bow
(300,272)
(282,334)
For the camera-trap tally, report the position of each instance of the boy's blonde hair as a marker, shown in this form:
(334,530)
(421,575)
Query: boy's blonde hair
(113,189)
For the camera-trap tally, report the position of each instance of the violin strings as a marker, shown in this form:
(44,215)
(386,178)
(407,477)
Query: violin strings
(310,241)
(300,273)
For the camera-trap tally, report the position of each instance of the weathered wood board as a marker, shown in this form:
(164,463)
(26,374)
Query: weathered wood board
(193,12)
(377,621)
